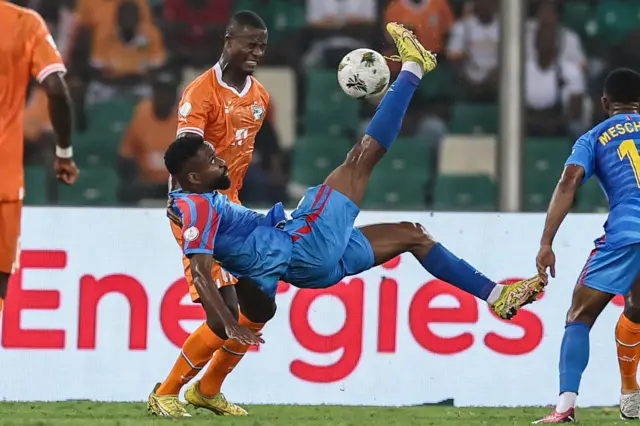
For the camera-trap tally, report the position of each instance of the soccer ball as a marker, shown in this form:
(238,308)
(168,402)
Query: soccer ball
(363,73)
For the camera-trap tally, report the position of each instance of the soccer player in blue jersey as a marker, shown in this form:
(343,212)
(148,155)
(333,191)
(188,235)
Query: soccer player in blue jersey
(610,152)
(318,246)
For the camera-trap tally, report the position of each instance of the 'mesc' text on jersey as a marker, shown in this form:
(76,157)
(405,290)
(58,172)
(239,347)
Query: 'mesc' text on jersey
(610,152)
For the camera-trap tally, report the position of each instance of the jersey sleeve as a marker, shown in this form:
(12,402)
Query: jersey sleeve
(195,106)
(200,221)
(583,155)
(45,58)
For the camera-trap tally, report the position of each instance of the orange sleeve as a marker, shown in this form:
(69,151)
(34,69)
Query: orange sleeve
(195,107)
(45,58)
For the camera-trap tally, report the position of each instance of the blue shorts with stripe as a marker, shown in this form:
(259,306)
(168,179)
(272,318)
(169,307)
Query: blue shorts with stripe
(611,270)
(326,246)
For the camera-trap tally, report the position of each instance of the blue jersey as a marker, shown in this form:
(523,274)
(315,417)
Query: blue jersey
(610,152)
(244,242)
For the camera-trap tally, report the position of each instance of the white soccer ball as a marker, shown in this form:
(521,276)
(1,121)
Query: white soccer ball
(363,73)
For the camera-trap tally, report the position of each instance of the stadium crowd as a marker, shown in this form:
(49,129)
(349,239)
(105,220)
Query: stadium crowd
(128,61)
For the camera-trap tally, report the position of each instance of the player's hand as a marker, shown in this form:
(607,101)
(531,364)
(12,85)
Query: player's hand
(243,334)
(172,215)
(546,260)
(66,170)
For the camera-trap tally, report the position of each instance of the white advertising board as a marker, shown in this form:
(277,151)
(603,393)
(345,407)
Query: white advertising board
(99,311)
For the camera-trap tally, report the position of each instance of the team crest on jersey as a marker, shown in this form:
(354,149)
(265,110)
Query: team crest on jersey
(258,112)
(191,234)
(185,110)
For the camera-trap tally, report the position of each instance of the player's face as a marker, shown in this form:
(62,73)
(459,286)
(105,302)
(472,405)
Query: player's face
(245,48)
(211,171)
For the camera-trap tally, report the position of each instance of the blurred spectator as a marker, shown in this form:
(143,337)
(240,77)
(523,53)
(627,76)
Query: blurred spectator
(554,88)
(337,27)
(570,45)
(61,20)
(473,50)
(338,13)
(430,20)
(194,29)
(101,15)
(151,130)
(265,182)
(123,55)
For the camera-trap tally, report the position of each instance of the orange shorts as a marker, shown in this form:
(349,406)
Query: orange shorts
(10,215)
(220,276)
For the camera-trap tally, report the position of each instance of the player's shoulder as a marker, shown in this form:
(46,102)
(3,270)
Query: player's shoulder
(203,84)
(17,16)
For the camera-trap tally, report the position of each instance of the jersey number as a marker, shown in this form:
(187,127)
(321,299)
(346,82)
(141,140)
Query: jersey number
(628,149)
(241,135)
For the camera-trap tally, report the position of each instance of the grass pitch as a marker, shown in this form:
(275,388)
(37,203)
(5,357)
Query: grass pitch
(85,413)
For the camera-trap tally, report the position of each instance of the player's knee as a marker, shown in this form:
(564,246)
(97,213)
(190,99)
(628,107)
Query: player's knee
(582,313)
(217,327)
(419,241)
(632,310)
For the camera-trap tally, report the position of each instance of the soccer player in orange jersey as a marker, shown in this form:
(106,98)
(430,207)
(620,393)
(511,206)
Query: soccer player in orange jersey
(225,106)
(26,50)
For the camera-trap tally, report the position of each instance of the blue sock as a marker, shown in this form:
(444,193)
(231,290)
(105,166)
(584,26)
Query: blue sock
(574,356)
(446,266)
(385,124)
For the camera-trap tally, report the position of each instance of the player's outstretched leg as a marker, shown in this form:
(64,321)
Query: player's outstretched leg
(389,240)
(352,177)
(586,306)
(628,348)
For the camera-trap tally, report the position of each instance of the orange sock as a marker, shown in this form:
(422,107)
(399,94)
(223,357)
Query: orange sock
(196,352)
(628,343)
(224,361)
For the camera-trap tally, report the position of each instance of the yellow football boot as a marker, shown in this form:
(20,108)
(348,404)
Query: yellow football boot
(217,403)
(517,295)
(166,405)
(410,48)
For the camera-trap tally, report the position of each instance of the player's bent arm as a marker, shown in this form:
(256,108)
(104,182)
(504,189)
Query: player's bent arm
(212,300)
(561,201)
(60,109)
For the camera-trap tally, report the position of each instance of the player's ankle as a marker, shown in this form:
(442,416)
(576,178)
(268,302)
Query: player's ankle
(413,67)
(495,294)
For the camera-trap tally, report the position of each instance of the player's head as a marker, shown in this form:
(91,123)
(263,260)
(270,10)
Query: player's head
(195,164)
(621,91)
(128,16)
(245,41)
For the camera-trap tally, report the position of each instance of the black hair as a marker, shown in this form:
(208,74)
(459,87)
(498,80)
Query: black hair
(623,86)
(180,151)
(247,18)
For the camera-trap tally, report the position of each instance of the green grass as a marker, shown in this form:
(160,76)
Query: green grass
(133,414)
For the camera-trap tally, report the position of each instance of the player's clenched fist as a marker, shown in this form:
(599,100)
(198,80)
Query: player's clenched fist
(546,260)
(66,170)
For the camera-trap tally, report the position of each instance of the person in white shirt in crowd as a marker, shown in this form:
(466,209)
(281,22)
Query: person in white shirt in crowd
(473,50)
(569,43)
(554,88)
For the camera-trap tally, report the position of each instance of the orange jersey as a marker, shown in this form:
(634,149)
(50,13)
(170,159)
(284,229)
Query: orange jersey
(26,49)
(225,118)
